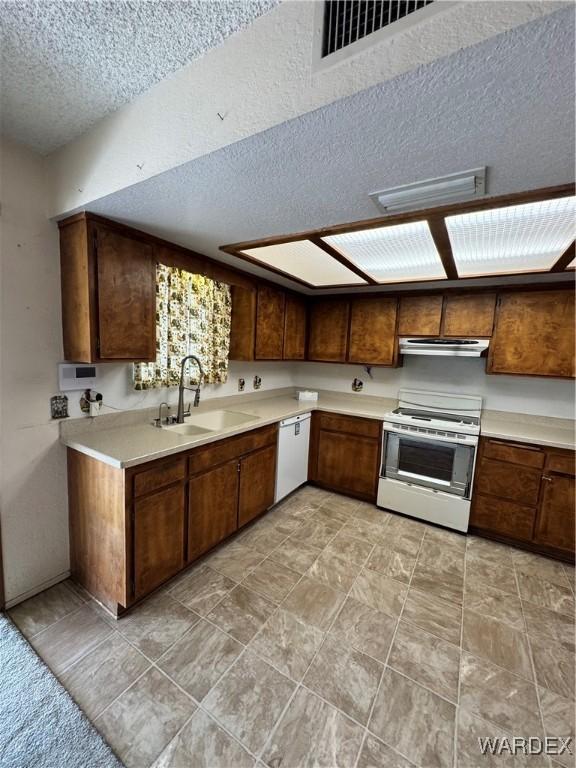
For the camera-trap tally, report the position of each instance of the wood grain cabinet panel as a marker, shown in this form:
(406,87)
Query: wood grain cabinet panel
(508,481)
(373,331)
(555,525)
(295,321)
(504,517)
(257,484)
(164,473)
(420,315)
(351,425)
(212,508)
(328,340)
(526,455)
(269,324)
(243,324)
(158,538)
(469,314)
(534,334)
(348,463)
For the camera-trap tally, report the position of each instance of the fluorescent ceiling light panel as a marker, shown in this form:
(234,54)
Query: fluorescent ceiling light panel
(306,261)
(392,254)
(520,238)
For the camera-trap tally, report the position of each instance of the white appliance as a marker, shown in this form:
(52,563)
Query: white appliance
(443,347)
(76,376)
(428,456)
(292,461)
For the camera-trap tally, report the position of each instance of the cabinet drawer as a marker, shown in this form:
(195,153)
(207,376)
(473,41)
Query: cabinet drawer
(508,481)
(561,462)
(505,517)
(350,424)
(231,448)
(159,476)
(527,456)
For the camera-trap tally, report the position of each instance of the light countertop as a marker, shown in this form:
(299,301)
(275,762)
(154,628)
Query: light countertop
(127,440)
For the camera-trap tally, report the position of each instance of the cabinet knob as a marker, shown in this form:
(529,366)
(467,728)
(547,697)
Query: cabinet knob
(547,478)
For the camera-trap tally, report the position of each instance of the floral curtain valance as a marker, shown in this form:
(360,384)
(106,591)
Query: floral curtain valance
(192,318)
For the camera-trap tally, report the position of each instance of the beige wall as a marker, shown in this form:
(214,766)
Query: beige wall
(32,462)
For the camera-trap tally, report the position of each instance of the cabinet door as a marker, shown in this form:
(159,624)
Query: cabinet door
(329,330)
(502,516)
(158,538)
(348,463)
(509,481)
(556,519)
(469,314)
(269,324)
(420,316)
(257,483)
(534,334)
(126,297)
(212,508)
(373,331)
(243,324)
(294,328)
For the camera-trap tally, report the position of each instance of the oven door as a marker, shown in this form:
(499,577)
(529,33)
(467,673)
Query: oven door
(429,461)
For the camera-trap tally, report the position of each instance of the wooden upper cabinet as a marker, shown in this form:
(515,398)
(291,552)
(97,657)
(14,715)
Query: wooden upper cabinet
(295,321)
(534,334)
(373,331)
(555,526)
(469,314)
(328,335)
(108,294)
(420,316)
(269,324)
(243,324)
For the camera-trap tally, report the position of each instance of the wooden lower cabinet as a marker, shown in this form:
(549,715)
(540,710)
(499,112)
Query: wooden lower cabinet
(257,484)
(524,495)
(212,508)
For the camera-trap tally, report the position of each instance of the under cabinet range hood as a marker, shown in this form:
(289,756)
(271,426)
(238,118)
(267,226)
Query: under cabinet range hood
(443,347)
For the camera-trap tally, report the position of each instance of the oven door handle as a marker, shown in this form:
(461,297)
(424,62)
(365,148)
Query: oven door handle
(468,440)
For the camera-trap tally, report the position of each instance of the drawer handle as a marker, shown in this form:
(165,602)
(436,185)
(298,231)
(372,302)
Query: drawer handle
(516,445)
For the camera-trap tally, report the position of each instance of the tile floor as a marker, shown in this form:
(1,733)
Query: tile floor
(330,634)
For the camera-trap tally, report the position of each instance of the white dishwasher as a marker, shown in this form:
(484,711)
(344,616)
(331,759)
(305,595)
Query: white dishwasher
(292,461)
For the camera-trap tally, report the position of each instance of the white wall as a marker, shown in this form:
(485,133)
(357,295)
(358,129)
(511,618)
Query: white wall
(517,394)
(33,506)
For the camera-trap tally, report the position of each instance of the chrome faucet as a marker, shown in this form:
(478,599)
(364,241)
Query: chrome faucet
(158,421)
(181,387)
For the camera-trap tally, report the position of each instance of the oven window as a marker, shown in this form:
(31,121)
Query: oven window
(427,459)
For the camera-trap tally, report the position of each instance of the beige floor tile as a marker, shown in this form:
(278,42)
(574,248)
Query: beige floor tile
(329,515)
(314,603)
(155,624)
(295,554)
(364,628)
(379,592)
(333,570)
(416,722)
(242,613)
(288,525)
(198,660)
(497,642)
(371,532)
(371,514)
(535,565)
(249,699)
(272,580)
(101,676)
(40,611)
(202,589)
(396,565)
(437,616)
(140,724)
(203,744)
(469,755)
(541,622)
(345,677)
(345,505)
(554,665)
(426,659)
(287,643)
(570,572)
(488,551)
(493,603)
(559,715)
(502,698)
(235,560)
(407,525)
(443,557)
(316,534)
(402,542)
(313,733)
(446,586)
(69,639)
(452,539)
(262,541)
(546,594)
(376,754)
(346,546)
(498,576)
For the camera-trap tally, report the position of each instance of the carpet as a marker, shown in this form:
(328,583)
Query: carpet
(40,724)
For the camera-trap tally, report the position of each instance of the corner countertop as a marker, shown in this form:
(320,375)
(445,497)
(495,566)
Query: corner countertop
(130,439)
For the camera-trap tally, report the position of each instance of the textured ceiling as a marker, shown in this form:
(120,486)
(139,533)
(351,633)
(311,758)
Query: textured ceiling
(67,64)
(507,103)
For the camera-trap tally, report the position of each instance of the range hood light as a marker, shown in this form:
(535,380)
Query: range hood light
(456,186)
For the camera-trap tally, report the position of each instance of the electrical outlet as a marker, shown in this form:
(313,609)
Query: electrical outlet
(357,385)
(241,385)
(257,382)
